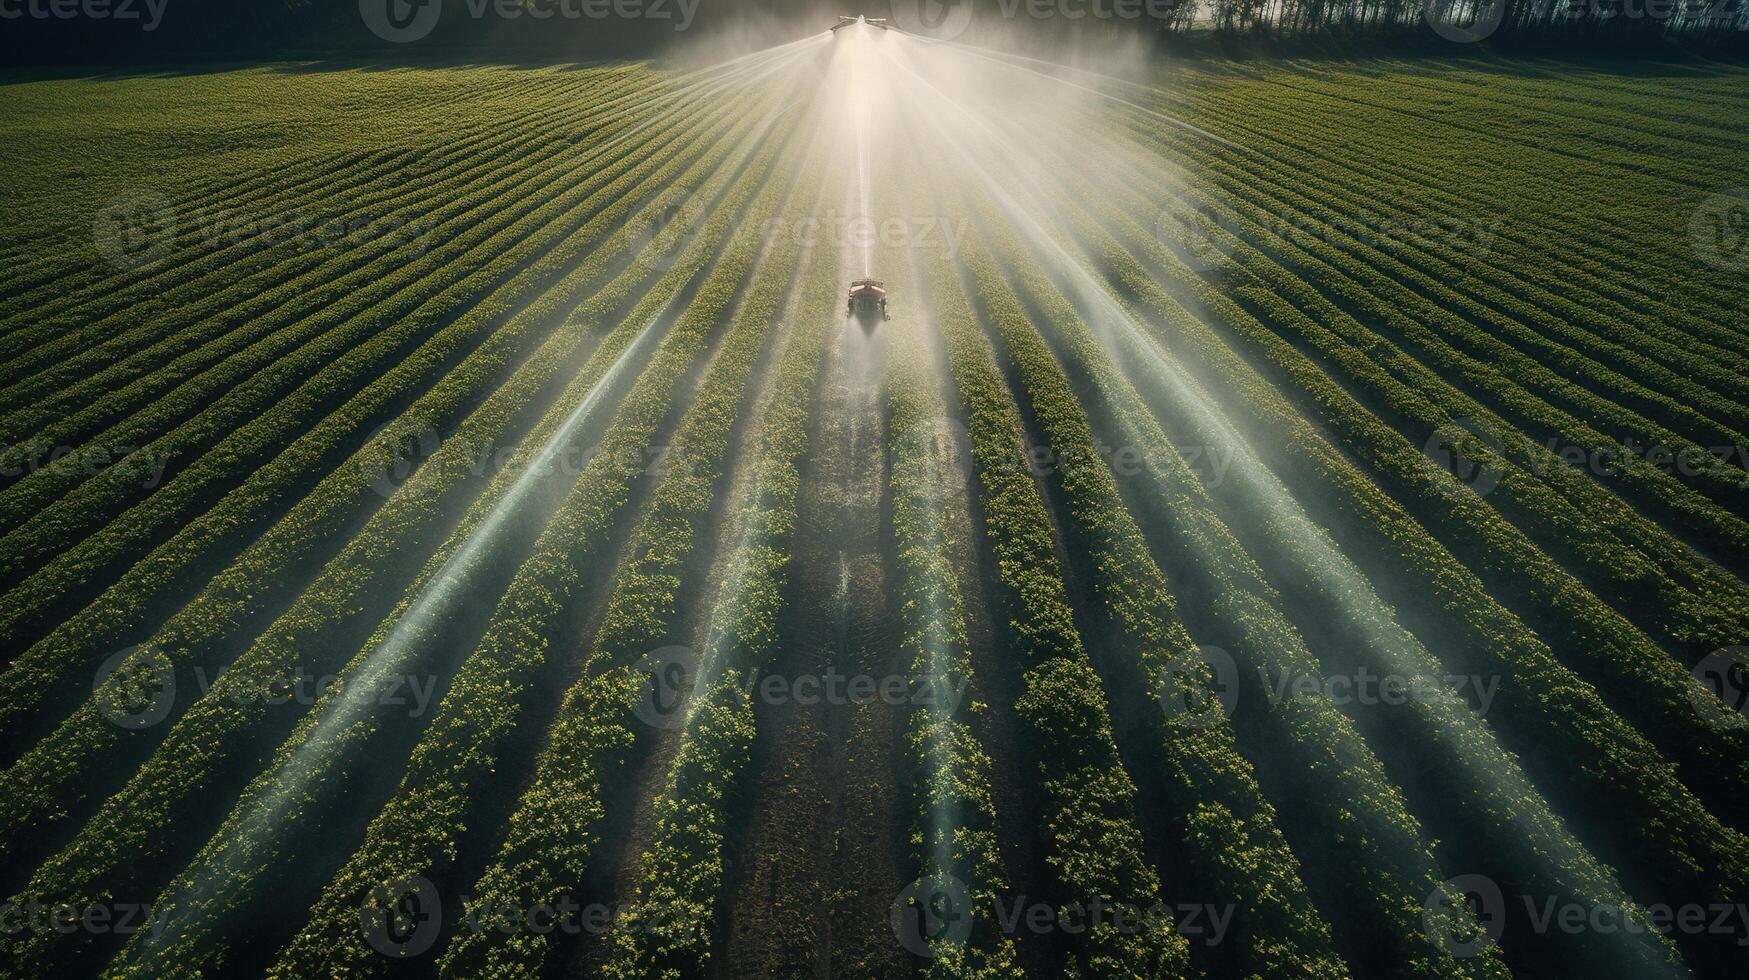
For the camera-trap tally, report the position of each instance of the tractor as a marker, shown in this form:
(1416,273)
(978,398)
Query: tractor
(867,302)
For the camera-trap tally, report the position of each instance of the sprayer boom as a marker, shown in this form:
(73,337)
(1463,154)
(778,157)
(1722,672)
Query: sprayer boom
(843,22)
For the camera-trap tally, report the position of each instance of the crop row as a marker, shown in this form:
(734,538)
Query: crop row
(1230,826)
(466,739)
(197,635)
(1342,791)
(80,324)
(593,725)
(1598,341)
(1592,498)
(89,323)
(227,297)
(176,428)
(1599,295)
(1520,377)
(282,475)
(1636,665)
(205,182)
(955,830)
(1088,811)
(1533,684)
(1618,237)
(1616,242)
(669,926)
(173,317)
(246,336)
(216,734)
(386,319)
(266,490)
(1616,140)
(1708,585)
(1352,798)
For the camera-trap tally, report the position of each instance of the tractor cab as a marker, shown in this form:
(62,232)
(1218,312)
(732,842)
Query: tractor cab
(867,301)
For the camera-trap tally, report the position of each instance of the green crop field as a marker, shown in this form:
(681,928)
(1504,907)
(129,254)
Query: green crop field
(1292,519)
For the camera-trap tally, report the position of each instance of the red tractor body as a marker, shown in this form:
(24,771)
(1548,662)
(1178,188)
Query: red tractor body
(867,301)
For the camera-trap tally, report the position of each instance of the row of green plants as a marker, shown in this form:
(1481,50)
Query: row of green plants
(1703,611)
(51,773)
(669,927)
(383,322)
(1611,228)
(1607,237)
(216,330)
(553,832)
(1532,683)
(1347,793)
(333,353)
(53,662)
(954,829)
(1092,838)
(1521,303)
(1236,843)
(1510,377)
(1624,104)
(59,248)
(420,826)
(222,731)
(1654,542)
(1497,809)
(89,323)
(1607,139)
(1585,493)
(1519,378)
